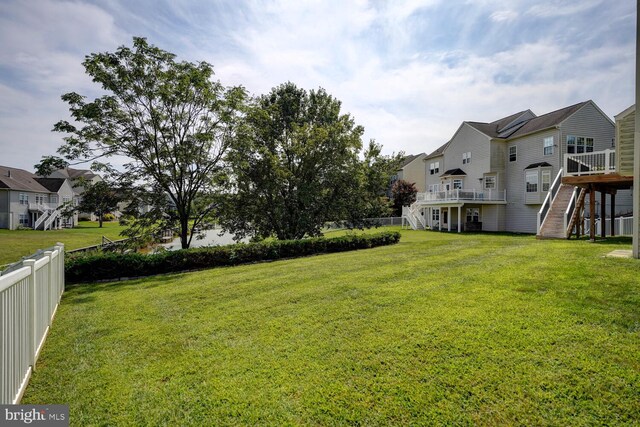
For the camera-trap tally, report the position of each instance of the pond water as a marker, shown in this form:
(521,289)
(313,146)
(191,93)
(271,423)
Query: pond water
(213,237)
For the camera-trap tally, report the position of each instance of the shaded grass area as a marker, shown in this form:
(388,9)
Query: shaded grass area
(438,329)
(15,244)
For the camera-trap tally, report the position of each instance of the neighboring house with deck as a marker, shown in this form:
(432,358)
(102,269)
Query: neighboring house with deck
(79,178)
(497,176)
(33,202)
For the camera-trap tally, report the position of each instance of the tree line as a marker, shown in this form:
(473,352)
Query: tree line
(278,165)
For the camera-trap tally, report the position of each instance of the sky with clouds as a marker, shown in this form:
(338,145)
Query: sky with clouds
(409,71)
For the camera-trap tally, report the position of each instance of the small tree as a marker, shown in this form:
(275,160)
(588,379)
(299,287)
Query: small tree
(171,122)
(99,198)
(403,194)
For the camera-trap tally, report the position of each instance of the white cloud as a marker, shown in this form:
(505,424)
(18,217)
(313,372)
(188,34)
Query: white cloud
(504,16)
(561,7)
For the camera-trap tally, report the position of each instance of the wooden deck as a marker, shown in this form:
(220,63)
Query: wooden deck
(605,184)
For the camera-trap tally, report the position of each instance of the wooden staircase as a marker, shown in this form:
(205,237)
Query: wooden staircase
(554,225)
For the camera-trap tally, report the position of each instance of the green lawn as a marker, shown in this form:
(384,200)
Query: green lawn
(18,243)
(445,329)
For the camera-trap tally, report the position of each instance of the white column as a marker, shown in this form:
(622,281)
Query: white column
(636,149)
(449,214)
(459,219)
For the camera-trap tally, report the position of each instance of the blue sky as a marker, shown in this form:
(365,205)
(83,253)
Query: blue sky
(409,71)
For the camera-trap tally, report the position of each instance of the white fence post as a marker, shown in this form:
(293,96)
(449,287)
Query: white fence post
(31,263)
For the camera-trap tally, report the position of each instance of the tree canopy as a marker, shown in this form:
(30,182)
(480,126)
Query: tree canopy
(296,166)
(169,120)
(403,193)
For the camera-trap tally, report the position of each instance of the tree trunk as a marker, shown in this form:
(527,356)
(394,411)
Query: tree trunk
(184,233)
(100,220)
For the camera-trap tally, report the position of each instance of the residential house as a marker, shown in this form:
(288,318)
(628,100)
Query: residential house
(411,170)
(496,176)
(79,178)
(30,201)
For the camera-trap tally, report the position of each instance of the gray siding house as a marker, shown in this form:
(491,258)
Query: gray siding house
(496,176)
(33,202)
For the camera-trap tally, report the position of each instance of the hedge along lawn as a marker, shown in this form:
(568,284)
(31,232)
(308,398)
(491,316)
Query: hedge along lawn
(15,244)
(438,329)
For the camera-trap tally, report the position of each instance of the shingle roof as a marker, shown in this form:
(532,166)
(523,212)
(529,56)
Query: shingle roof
(76,173)
(437,152)
(496,127)
(548,120)
(20,179)
(538,165)
(51,184)
(454,172)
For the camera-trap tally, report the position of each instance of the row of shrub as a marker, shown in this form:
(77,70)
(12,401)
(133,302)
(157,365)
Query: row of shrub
(105,266)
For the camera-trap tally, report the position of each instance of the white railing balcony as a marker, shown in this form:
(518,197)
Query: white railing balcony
(462,195)
(40,207)
(594,163)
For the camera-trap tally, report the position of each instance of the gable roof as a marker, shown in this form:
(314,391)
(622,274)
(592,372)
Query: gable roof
(496,127)
(438,151)
(548,120)
(51,184)
(75,173)
(408,159)
(20,179)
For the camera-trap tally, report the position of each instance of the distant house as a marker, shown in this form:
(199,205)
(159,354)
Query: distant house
(496,176)
(411,170)
(78,177)
(33,202)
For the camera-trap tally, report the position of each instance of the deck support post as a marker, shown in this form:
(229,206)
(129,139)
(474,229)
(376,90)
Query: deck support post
(613,214)
(603,214)
(459,219)
(592,214)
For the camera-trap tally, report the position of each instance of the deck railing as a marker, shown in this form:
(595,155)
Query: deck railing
(623,226)
(29,295)
(551,194)
(597,162)
(460,194)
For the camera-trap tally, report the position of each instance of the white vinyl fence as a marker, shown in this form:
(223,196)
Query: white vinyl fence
(623,226)
(29,295)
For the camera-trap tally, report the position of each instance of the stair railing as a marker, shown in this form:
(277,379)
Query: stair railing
(52,217)
(42,218)
(546,205)
(568,214)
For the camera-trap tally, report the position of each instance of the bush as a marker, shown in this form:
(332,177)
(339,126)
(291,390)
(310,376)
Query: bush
(108,217)
(105,266)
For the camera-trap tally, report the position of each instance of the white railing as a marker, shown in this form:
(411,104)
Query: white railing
(460,194)
(623,226)
(52,217)
(42,207)
(597,162)
(546,205)
(29,296)
(408,215)
(41,219)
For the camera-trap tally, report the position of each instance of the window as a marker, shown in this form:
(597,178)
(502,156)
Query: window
(435,214)
(24,219)
(513,153)
(457,184)
(433,188)
(546,180)
(579,144)
(531,179)
(434,168)
(547,149)
(473,215)
(24,199)
(53,199)
(489,182)
(466,158)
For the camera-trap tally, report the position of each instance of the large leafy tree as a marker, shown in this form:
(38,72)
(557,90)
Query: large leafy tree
(296,166)
(169,120)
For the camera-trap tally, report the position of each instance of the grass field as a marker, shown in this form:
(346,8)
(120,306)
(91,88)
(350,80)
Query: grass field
(444,329)
(15,244)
